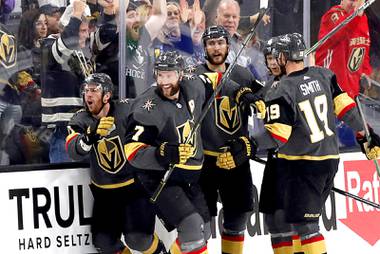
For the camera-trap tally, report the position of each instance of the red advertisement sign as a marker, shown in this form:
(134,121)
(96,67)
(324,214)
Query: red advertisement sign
(361,179)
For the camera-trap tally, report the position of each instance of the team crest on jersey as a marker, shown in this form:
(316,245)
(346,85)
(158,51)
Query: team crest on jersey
(110,154)
(8,51)
(356,59)
(183,131)
(227,117)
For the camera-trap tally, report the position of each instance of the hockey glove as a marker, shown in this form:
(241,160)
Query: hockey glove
(168,153)
(98,129)
(370,149)
(238,152)
(244,95)
(106,125)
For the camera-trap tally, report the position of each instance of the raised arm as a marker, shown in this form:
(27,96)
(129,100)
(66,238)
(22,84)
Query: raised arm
(158,18)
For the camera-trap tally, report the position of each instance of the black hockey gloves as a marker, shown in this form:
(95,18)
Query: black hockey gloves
(371,149)
(98,129)
(244,95)
(238,151)
(169,153)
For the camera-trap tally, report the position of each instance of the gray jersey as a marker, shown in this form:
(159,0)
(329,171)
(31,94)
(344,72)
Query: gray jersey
(156,119)
(226,120)
(301,114)
(109,165)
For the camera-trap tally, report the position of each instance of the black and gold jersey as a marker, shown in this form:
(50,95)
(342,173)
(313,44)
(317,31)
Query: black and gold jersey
(226,119)
(109,165)
(8,55)
(156,119)
(301,114)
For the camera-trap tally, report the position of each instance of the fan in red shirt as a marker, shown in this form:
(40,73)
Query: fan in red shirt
(347,52)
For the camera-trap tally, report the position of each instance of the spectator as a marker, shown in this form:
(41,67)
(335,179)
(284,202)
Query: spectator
(32,28)
(142,25)
(27,142)
(175,34)
(53,15)
(197,28)
(347,52)
(61,80)
(228,16)
(14,81)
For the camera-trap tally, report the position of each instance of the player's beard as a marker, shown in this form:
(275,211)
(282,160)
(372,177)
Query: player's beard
(169,92)
(283,69)
(223,58)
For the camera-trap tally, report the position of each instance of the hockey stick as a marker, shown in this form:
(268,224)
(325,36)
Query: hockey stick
(210,101)
(347,194)
(342,192)
(338,27)
(366,130)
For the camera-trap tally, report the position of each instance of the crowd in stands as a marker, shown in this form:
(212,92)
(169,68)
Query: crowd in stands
(60,43)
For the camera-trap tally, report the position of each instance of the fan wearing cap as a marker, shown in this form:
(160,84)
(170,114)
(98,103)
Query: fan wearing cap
(143,23)
(62,73)
(160,135)
(121,206)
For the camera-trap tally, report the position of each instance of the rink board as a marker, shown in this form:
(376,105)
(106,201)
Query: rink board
(48,211)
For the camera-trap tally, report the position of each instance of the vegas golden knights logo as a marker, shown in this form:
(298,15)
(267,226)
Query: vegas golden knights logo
(8,51)
(184,131)
(356,59)
(227,117)
(110,154)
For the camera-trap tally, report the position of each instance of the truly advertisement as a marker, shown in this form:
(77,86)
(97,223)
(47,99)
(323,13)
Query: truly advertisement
(49,211)
(46,212)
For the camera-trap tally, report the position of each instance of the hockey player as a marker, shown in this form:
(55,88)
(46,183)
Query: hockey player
(159,129)
(267,200)
(302,111)
(227,147)
(120,203)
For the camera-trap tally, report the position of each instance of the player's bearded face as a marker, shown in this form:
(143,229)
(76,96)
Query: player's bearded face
(168,83)
(216,50)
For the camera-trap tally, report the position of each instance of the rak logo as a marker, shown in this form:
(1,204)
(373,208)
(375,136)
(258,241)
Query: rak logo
(356,59)
(8,51)
(110,154)
(361,179)
(183,131)
(227,117)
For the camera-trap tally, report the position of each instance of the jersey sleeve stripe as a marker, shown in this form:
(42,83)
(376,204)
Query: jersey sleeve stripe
(279,131)
(132,148)
(70,138)
(343,103)
(214,77)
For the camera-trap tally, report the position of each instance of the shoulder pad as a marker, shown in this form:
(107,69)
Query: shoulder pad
(211,78)
(188,76)
(79,112)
